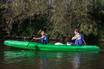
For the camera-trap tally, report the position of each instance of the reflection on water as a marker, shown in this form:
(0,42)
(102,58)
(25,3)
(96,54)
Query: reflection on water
(24,59)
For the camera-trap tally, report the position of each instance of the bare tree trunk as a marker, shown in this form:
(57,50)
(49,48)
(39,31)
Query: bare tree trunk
(8,24)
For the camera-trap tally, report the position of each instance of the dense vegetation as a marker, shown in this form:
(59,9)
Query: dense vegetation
(57,17)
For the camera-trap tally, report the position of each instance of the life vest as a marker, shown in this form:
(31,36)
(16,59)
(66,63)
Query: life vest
(44,40)
(80,41)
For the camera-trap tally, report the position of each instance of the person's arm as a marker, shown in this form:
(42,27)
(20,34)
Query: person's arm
(36,38)
(39,37)
(75,37)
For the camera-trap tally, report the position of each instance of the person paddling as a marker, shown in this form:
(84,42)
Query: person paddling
(78,38)
(43,38)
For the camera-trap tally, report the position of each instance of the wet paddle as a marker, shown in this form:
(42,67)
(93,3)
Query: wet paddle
(30,41)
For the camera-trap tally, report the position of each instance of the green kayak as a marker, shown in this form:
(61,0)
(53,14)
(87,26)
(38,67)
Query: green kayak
(50,47)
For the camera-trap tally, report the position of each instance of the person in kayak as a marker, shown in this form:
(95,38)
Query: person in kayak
(78,38)
(43,38)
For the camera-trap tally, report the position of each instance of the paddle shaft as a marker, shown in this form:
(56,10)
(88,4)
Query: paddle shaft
(29,42)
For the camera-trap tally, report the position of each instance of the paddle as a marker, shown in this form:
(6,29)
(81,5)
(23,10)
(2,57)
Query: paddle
(30,40)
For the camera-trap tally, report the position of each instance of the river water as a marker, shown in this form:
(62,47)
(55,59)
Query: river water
(27,59)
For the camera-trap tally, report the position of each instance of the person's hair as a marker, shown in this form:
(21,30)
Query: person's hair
(43,31)
(77,30)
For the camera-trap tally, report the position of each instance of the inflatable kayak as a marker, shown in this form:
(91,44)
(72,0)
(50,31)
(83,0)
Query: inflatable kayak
(49,47)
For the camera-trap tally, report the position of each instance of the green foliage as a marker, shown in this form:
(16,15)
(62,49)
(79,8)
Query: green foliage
(59,17)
